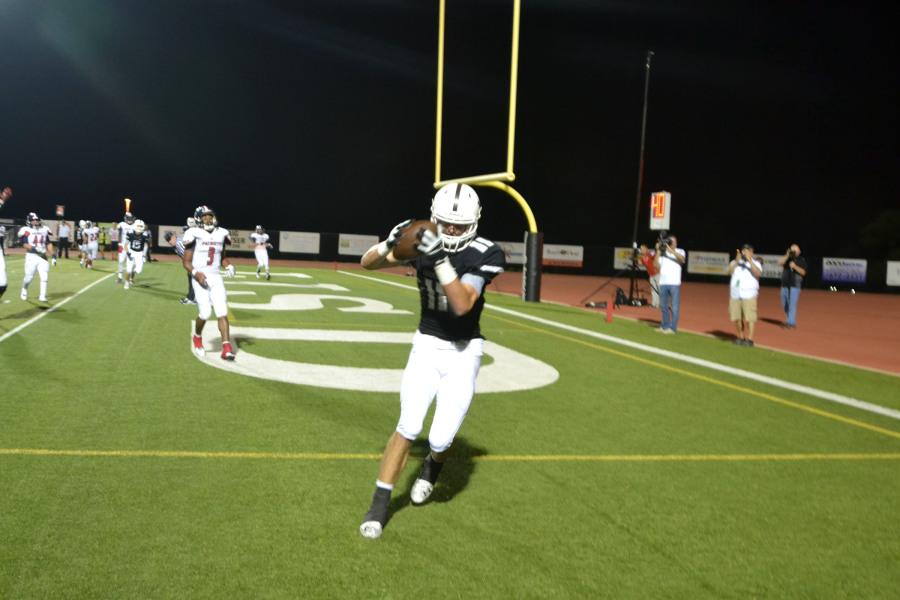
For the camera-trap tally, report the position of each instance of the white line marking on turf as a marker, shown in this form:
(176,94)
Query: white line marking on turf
(795,387)
(52,309)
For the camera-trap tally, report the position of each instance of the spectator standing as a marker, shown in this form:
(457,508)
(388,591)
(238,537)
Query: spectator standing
(745,272)
(793,272)
(669,260)
(63,231)
(648,259)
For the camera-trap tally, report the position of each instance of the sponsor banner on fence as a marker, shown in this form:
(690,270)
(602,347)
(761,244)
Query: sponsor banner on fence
(300,242)
(558,255)
(622,259)
(843,270)
(893,272)
(770,268)
(350,244)
(513,251)
(240,240)
(708,263)
(161,235)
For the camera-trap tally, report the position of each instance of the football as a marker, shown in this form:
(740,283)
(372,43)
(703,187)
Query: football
(409,239)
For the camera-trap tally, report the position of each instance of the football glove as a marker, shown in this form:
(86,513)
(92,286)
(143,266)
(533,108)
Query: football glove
(229,271)
(394,235)
(431,244)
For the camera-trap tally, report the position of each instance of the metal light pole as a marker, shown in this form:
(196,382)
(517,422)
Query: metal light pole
(640,183)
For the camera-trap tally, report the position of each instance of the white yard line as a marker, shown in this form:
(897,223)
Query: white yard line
(51,309)
(794,387)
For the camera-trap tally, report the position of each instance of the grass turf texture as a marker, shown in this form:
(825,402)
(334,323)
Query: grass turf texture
(272,479)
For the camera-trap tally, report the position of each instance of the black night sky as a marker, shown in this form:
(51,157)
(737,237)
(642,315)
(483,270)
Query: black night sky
(769,122)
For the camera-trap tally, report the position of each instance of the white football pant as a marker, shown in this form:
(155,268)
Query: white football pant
(3,281)
(135,263)
(33,263)
(262,258)
(445,370)
(211,299)
(91,250)
(123,256)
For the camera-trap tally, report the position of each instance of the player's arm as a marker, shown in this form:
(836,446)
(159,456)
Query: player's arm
(381,254)
(187,261)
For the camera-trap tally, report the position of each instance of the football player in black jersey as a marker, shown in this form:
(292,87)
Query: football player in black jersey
(453,268)
(136,243)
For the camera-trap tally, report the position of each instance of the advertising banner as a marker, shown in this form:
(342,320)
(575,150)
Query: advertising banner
(350,244)
(843,270)
(770,267)
(161,235)
(558,255)
(513,251)
(622,259)
(240,240)
(299,242)
(708,263)
(893,272)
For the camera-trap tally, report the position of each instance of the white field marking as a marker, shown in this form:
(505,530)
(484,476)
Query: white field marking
(314,302)
(329,456)
(795,387)
(511,371)
(279,274)
(305,286)
(52,309)
(231,293)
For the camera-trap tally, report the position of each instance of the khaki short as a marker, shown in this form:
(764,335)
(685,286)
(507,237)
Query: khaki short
(745,308)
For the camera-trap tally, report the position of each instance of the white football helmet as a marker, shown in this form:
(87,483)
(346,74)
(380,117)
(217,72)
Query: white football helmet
(191,222)
(33,219)
(81,224)
(456,204)
(207,224)
(139,226)
(259,229)
(129,218)
(88,224)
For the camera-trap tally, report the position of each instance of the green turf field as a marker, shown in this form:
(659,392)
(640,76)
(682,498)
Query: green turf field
(131,469)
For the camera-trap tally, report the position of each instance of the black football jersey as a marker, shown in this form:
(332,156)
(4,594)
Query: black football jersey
(137,241)
(482,258)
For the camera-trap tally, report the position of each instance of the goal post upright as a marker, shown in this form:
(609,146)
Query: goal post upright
(531,273)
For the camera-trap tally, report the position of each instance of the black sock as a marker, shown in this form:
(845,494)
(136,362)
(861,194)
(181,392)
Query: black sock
(2,289)
(379,508)
(430,469)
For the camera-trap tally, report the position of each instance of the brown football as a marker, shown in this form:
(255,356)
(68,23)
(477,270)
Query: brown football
(409,239)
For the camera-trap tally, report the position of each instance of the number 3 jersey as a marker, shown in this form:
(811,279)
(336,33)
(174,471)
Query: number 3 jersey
(208,247)
(477,264)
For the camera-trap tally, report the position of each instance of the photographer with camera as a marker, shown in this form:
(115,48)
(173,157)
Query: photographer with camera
(793,272)
(669,260)
(742,306)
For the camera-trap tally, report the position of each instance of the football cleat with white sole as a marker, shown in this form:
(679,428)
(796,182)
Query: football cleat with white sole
(197,342)
(370,529)
(23,295)
(421,491)
(227,351)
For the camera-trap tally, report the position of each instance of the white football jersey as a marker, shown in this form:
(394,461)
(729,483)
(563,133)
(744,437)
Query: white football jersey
(92,234)
(124,229)
(208,247)
(260,238)
(38,237)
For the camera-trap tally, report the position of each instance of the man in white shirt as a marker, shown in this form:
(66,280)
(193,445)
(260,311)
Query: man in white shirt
(63,231)
(745,272)
(669,259)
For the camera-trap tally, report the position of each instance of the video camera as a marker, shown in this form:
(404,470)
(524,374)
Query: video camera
(664,240)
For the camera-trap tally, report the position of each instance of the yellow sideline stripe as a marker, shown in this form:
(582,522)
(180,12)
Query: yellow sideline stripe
(707,379)
(326,456)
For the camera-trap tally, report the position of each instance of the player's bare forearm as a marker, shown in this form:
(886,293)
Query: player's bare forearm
(187,260)
(372,259)
(461,297)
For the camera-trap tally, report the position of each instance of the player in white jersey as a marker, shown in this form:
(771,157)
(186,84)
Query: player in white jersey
(136,243)
(5,195)
(90,237)
(124,227)
(35,238)
(204,253)
(261,250)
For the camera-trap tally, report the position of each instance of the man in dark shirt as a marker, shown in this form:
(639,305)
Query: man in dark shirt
(452,269)
(793,272)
